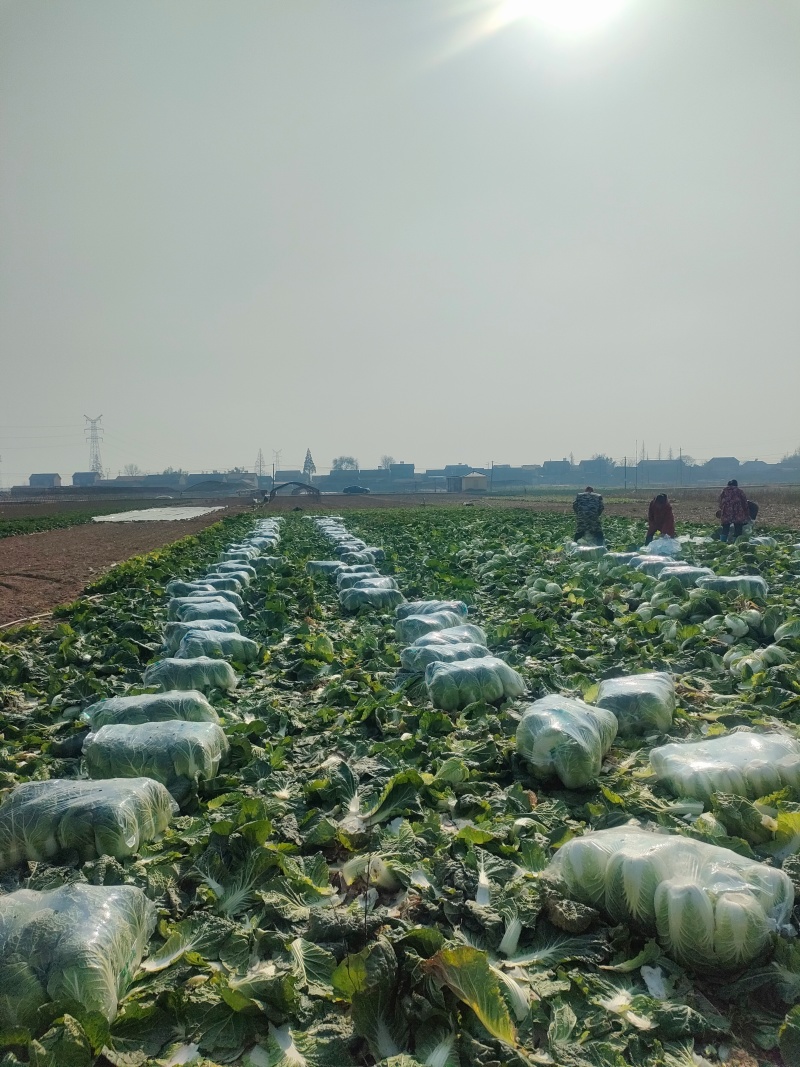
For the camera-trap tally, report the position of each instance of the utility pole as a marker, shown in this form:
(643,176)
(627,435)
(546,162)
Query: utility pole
(625,461)
(491,477)
(94,433)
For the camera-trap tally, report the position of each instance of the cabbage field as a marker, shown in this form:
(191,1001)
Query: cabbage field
(427,787)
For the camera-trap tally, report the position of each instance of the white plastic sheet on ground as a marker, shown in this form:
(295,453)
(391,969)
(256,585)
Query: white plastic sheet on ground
(742,762)
(156,515)
(711,908)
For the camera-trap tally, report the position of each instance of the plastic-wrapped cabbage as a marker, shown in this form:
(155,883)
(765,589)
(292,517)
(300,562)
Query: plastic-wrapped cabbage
(78,943)
(417,657)
(642,703)
(663,546)
(233,566)
(744,763)
(453,635)
(452,686)
(411,627)
(355,599)
(584,552)
(177,754)
(229,596)
(764,541)
(563,737)
(45,820)
(352,544)
(748,585)
(218,644)
(237,553)
(362,556)
(189,705)
(428,607)
(711,908)
(207,609)
(347,577)
(324,566)
(174,632)
(652,565)
(620,559)
(201,673)
(685,574)
(365,581)
(183,589)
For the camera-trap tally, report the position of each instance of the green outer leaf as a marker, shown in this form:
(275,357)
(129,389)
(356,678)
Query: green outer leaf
(466,972)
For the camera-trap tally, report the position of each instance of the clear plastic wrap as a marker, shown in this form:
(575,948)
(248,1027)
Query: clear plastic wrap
(748,585)
(411,627)
(417,657)
(744,763)
(218,645)
(365,581)
(201,673)
(428,607)
(49,820)
(652,565)
(362,556)
(686,574)
(452,686)
(79,943)
(663,546)
(324,566)
(584,552)
(711,908)
(233,566)
(188,705)
(354,599)
(347,577)
(208,594)
(764,541)
(563,737)
(620,559)
(174,632)
(177,754)
(453,635)
(212,584)
(237,553)
(642,703)
(352,544)
(207,609)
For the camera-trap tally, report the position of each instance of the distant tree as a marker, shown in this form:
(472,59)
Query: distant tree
(386,462)
(344,463)
(309,467)
(688,461)
(572,459)
(130,470)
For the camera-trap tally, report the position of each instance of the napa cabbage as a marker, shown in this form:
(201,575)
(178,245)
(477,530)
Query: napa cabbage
(452,686)
(642,703)
(565,738)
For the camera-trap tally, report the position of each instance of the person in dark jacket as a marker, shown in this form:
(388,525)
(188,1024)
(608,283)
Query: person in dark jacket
(733,510)
(588,507)
(660,518)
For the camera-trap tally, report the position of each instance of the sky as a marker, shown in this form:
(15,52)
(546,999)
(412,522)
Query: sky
(451,231)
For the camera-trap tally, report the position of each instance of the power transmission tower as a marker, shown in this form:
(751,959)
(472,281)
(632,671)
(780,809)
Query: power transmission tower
(276,460)
(261,464)
(94,433)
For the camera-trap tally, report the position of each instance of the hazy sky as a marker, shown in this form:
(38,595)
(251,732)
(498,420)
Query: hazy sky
(439,229)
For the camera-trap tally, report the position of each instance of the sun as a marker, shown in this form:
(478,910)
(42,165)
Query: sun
(563,16)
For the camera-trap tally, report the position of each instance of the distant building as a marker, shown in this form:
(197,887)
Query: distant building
(474,483)
(721,469)
(44,481)
(85,478)
(557,471)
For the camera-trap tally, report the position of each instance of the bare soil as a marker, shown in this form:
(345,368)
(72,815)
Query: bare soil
(40,570)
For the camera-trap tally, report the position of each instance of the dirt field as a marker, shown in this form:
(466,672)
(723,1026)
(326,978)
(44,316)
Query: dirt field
(40,570)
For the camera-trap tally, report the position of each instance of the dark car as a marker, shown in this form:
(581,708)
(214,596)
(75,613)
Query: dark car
(353,490)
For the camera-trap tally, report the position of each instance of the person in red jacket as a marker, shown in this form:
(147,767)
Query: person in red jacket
(733,510)
(660,518)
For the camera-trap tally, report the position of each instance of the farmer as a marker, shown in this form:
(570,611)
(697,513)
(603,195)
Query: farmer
(660,518)
(588,507)
(733,511)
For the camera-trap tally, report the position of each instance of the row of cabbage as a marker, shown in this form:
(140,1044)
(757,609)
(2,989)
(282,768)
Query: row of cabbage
(437,639)
(143,758)
(709,907)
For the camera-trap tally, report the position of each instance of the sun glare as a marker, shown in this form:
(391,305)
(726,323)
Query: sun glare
(563,16)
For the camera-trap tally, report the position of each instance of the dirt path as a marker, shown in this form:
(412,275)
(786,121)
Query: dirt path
(39,571)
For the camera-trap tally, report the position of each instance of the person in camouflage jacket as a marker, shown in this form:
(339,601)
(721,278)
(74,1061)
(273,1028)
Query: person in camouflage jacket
(588,507)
